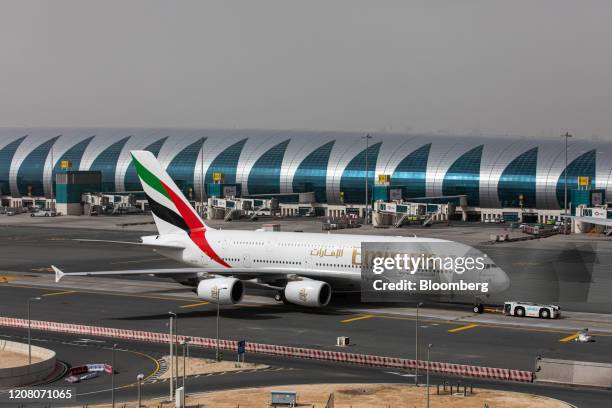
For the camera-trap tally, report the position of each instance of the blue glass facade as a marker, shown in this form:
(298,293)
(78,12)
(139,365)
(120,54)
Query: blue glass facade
(583,165)
(463,176)
(264,177)
(106,162)
(74,154)
(311,174)
(131,180)
(352,183)
(227,163)
(410,173)
(181,168)
(31,171)
(6,158)
(459,167)
(519,178)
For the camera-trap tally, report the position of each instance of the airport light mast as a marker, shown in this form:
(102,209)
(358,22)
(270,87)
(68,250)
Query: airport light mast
(367,140)
(429,346)
(202,177)
(219,289)
(566,136)
(172,323)
(416,345)
(30,331)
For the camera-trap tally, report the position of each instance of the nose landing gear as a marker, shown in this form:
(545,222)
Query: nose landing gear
(478,308)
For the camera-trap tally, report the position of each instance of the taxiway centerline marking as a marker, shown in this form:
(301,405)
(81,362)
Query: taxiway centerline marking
(489,325)
(59,293)
(568,338)
(194,305)
(380,316)
(354,319)
(102,293)
(457,329)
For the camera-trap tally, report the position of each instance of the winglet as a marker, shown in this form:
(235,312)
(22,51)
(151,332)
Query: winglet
(58,273)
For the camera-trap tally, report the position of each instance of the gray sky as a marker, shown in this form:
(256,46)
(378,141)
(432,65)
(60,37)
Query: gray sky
(519,67)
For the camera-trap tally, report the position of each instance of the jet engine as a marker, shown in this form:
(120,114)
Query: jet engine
(311,293)
(225,291)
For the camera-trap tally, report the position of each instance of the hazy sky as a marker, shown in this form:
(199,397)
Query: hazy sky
(519,67)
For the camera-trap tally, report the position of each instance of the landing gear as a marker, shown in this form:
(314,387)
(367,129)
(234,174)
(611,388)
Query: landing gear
(279,296)
(479,308)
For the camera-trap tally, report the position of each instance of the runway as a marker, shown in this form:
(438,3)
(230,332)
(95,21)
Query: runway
(457,335)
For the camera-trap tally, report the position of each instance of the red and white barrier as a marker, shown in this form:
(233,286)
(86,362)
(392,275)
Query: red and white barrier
(284,351)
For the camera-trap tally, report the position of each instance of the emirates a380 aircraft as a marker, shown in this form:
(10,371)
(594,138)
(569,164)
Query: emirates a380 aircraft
(304,268)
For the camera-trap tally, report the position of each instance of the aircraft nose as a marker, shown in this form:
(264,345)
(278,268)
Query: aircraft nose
(502,280)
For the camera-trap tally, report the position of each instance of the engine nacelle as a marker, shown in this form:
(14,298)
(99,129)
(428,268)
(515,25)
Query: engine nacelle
(311,293)
(225,291)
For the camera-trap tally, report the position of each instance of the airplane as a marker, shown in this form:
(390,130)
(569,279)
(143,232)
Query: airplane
(303,268)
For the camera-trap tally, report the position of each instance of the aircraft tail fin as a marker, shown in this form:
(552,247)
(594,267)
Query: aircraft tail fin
(172,212)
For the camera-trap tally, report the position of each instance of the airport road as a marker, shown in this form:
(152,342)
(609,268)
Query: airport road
(143,303)
(392,335)
(572,271)
(135,358)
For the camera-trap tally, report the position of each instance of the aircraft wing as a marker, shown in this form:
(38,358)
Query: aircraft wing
(59,274)
(147,245)
(244,273)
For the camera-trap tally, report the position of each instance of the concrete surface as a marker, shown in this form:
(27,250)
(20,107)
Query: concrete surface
(572,372)
(25,374)
(26,251)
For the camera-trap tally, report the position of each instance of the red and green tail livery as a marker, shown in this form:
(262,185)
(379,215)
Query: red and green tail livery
(171,210)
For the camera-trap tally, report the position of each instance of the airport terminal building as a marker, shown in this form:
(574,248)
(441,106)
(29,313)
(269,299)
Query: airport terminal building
(491,172)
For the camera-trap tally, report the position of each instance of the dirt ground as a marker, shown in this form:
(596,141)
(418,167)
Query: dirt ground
(363,396)
(206,366)
(11,359)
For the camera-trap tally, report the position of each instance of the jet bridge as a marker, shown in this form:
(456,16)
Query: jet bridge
(234,208)
(400,213)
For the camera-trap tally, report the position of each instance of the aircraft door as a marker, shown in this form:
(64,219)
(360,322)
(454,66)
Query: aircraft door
(246,260)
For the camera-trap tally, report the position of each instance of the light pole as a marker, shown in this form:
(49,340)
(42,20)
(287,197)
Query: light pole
(367,140)
(219,289)
(566,136)
(171,325)
(113,377)
(202,179)
(139,377)
(428,349)
(30,331)
(416,344)
(185,344)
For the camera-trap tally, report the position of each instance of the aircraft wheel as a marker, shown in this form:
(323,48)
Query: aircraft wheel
(279,296)
(479,308)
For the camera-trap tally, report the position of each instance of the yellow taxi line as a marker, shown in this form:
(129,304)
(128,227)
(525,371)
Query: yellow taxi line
(456,329)
(194,305)
(354,319)
(489,325)
(568,338)
(102,293)
(59,293)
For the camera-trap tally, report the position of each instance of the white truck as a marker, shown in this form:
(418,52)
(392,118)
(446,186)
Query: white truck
(529,309)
